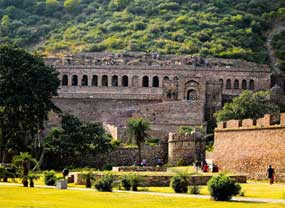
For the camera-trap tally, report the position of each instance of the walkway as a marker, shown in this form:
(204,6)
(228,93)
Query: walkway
(237,199)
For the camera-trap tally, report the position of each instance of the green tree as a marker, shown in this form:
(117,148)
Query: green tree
(51,6)
(137,128)
(77,138)
(71,5)
(247,105)
(5,23)
(26,88)
(24,162)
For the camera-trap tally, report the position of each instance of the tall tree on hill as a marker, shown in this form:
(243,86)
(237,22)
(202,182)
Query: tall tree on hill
(137,128)
(247,105)
(26,88)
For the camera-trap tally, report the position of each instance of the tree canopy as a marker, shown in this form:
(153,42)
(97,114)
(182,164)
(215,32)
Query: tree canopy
(247,105)
(77,139)
(26,88)
(200,27)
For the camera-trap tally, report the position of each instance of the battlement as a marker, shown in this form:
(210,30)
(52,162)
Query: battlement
(267,121)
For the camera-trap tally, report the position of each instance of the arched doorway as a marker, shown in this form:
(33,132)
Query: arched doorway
(191,94)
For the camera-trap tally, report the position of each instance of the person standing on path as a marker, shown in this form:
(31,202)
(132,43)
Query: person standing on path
(270,174)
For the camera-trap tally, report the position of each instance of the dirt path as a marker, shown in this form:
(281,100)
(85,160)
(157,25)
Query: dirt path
(236,199)
(278,27)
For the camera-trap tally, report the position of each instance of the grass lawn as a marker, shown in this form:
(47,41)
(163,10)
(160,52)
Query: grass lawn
(19,197)
(251,189)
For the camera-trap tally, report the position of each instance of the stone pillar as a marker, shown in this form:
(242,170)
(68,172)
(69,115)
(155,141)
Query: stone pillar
(120,81)
(90,76)
(109,80)
(70,80)
(99,80)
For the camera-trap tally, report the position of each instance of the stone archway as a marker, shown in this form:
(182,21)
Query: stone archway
(192,94)
(191,90)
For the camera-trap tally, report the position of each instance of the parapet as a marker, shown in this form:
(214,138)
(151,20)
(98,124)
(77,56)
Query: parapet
(265,122)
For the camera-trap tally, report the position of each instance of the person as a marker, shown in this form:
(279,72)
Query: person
(270,174)
(143,163)
(158,162)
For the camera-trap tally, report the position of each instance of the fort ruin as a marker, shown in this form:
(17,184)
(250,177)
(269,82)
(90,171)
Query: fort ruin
(170,91)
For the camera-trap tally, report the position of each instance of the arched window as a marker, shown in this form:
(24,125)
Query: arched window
(191,95)
(105,80)
(64,80)
(251,84)
(229,84)
(115,81)
(95,80)
(155,81)
(221,82)
(74,80)
(125,81)
(145,81)
(236,84)
(166,78)
(84,81)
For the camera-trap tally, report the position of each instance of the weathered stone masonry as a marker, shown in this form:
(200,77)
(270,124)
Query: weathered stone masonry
(249,146)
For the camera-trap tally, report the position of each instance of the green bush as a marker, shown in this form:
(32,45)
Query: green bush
(131,182)
(179,184)
(194,189)
(50,178)
(126,182)
(222,187)
(105,183)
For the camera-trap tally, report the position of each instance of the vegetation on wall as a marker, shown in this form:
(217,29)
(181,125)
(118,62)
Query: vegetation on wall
(219,28)
(249,104)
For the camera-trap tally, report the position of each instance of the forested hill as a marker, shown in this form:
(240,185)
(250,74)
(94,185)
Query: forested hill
(220,28)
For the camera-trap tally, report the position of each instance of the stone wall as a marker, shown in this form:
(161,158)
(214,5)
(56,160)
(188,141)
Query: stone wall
(186,148)
(111,111)
(162,180)
(125,157)
(249,147)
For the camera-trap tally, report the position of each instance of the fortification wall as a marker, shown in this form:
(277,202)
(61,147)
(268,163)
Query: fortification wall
(249,146)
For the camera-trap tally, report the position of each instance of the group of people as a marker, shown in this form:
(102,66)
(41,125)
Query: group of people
(143,163)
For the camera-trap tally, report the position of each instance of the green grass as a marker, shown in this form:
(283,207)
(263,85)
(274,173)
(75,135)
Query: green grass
(19,197)
(251,189)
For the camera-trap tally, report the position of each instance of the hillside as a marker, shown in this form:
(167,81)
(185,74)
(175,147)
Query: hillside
(215,28)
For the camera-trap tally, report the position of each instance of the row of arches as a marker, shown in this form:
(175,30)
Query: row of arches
(244,85)
(114,81)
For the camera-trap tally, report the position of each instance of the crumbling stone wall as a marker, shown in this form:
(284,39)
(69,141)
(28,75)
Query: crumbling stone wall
(186,148)
(249,146)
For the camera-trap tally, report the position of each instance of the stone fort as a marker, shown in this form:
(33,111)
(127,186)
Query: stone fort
(169,90)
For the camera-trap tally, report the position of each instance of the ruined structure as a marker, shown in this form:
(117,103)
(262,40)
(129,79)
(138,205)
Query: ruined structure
(248,146)
(169,90)
(186,149)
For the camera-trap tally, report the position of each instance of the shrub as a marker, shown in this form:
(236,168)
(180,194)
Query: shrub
(222,187)
(50,178)
(107,167)
(135,181)
(105,183)
(126,182)
(131,181)
(194,189)
(179,184)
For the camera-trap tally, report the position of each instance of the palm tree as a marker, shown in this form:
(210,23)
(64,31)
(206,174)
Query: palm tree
(24,162)
(137,128)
